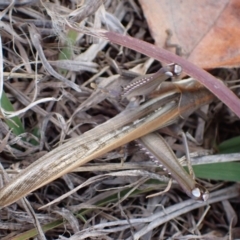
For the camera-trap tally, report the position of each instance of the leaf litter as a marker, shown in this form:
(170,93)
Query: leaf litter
(57,99)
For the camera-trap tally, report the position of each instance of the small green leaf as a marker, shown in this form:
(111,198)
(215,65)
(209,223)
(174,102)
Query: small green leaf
(14,123)
(230,146)
(228,171)
(67,51)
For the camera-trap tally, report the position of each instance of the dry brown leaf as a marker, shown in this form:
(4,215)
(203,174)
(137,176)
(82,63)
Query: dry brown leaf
(208,30)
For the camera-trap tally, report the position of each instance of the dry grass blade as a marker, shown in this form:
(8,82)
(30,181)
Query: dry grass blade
(184,207)
(17,3)
(35,37)
(25,101)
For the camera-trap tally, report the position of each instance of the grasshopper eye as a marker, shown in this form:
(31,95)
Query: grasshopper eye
(200,193)
(205,196)
(170,74)
(196,193)
(177,69)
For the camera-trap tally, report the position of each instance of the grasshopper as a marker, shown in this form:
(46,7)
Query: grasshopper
(130,124)
(160,152)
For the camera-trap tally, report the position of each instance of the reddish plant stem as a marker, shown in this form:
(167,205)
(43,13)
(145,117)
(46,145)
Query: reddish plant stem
(216,86)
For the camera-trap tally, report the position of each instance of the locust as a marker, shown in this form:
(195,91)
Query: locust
(167,106)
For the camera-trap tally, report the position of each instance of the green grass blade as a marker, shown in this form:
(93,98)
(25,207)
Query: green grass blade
(228,171)
(230,146)
(33,232)
(14,123)
(67,51)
